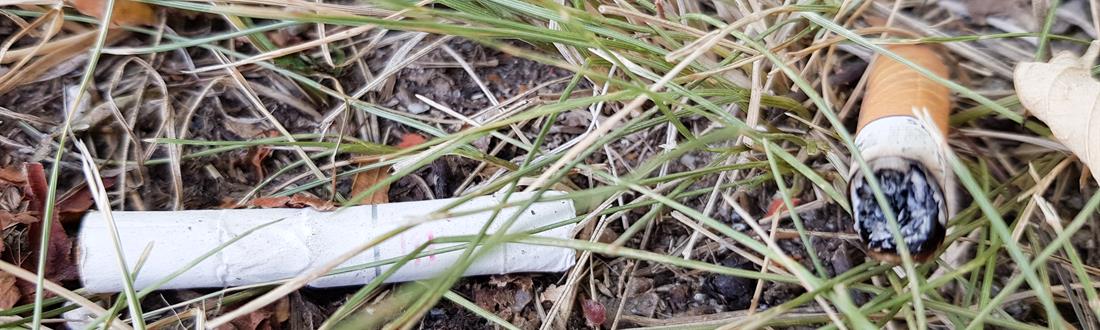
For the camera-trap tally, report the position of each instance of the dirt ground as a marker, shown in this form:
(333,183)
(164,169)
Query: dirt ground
(204,108)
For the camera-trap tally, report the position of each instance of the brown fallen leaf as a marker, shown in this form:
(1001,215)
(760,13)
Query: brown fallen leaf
(1063,94)
(60,265)
(7,219)
(9,177)
(266,318)
(282,310)
(367,179)
(256,158)
(270,202)
(258,320)
(296,201)
(258,154)
(72,206)
(12,175)
(777,205)
(551,293)
(9,292)
(409,140)
(126,12)
(35,186)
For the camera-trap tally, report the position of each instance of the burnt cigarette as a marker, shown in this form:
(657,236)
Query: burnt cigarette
(904,156)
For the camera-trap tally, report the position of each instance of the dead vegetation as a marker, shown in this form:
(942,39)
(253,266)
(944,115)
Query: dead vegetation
(671,124)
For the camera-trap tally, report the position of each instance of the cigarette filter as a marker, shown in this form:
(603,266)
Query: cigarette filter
(903,155)
(290,242)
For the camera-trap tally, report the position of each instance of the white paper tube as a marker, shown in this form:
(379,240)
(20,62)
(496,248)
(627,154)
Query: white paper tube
(906,137)
(305,239)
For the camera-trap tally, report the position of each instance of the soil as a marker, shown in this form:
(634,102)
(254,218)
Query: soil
(644,290)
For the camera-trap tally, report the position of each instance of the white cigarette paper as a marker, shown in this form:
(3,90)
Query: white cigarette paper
(305,239)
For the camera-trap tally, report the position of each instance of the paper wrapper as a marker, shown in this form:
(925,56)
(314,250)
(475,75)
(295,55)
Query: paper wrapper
(887,126)
(306,239)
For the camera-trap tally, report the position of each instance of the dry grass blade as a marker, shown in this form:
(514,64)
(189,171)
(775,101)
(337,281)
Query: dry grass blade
(324,40)
(661,120)
(61,291)
(614,120)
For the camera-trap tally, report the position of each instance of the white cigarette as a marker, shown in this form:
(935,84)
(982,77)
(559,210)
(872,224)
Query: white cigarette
(304,239)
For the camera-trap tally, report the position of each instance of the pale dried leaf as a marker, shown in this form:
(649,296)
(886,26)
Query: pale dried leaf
(1063,94)
(552,293)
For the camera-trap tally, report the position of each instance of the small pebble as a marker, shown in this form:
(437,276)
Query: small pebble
(417,108)
(699,297)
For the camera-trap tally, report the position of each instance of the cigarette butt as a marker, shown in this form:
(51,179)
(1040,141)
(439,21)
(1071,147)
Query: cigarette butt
(894,89)
(904,155)
(887,127)
(305,239)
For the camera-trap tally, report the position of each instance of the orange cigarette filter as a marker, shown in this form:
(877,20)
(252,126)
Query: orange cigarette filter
(904,157)
(894,89)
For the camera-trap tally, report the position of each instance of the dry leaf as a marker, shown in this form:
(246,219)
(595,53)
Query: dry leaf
(1063,94)
(72,206)
(256,158)
(126,12)
(251,321)
(9,292)
(367,179)
(552,293)
(12,175)
(7,218)
(257,155)
(270,202)
(777,205)
(409,140)
(282,310)
(60,265)
(297,201)
(594,313)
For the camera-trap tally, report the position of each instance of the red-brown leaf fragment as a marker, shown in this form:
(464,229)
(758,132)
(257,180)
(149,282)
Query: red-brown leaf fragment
(12,175)
(60,265)
(594,313)
(9,292)
(74,205)
(777,206)
(409,140)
